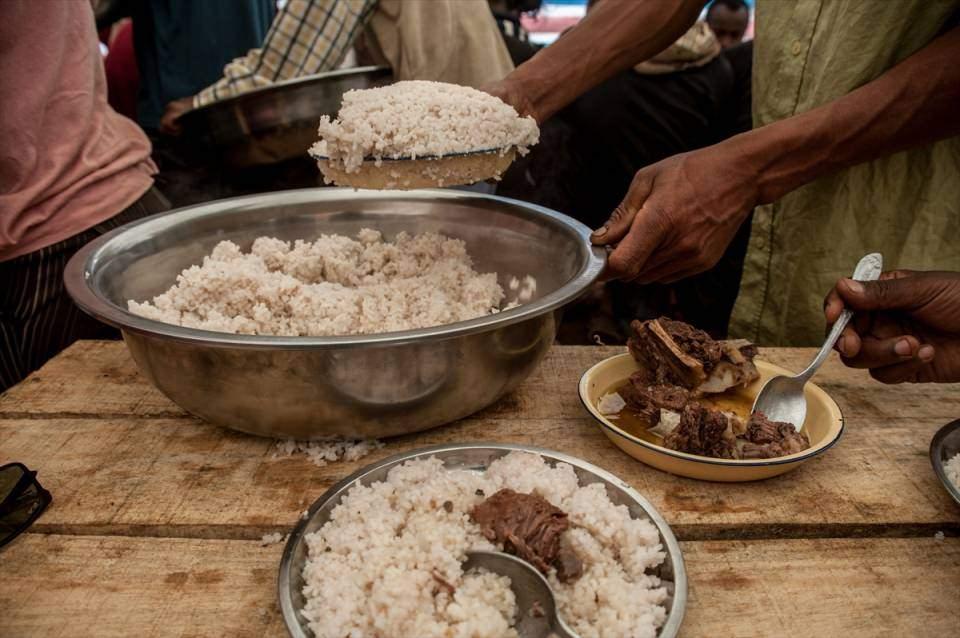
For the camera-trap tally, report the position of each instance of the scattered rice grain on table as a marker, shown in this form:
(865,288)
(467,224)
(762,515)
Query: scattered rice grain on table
(414,119)
(335,285)
(388,563)
(272,539)
(329,451)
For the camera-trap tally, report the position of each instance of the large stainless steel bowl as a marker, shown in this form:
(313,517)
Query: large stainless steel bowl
(477,457)
(359,386)
(276,122)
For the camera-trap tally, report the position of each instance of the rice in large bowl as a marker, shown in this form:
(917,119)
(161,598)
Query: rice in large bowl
(334,285)
(387,559)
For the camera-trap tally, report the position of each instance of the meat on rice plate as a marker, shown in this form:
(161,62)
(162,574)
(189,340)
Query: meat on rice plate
(388,563)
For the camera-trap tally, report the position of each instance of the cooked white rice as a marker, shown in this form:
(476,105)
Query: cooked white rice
(418,118)
(952,467)
(332,286)
(328,451)
(374,568)
(272,539)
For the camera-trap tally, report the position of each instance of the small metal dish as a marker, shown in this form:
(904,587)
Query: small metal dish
(476,457)
(944,446)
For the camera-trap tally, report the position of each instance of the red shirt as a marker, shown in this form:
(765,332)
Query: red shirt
(67,161)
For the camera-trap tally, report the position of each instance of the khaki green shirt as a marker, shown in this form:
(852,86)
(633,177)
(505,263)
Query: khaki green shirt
(905,206)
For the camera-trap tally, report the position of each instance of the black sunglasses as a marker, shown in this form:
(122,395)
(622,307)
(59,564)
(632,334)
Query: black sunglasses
(22,500)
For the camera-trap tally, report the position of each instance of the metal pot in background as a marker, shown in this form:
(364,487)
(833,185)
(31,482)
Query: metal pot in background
(277,122)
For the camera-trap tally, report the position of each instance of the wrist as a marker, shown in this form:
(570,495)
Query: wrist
(782,156)
(526,95)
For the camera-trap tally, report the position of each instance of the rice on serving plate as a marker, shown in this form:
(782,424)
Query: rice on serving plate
(952,466)
(413,120)
(332,286)
(388,562)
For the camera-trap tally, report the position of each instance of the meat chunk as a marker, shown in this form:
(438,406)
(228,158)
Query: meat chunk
(568,564)
(672,352)
(530,527)
(703,431)
(647,400)
(766,439)
(735,368)
(695,342)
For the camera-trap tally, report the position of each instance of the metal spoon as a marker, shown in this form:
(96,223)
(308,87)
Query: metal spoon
(782,397)
(536,607)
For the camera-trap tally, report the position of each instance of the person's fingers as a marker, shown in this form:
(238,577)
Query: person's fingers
(628,259)
(908,371)
(621,220)
(877,353)
(894,293)
(901,273)
(849,343)
(169,124)
(832,307)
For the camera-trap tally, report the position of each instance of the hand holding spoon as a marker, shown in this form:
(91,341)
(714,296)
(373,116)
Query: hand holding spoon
(782,397)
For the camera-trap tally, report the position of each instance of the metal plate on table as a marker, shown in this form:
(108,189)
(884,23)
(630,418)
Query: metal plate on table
(477,457)
(944,446)
(276,122)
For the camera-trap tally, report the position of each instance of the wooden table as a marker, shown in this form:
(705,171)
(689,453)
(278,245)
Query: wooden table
(157,518)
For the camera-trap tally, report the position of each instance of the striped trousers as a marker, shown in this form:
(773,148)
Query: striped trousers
(37,317)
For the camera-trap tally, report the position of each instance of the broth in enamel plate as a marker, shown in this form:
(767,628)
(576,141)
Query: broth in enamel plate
(736,400)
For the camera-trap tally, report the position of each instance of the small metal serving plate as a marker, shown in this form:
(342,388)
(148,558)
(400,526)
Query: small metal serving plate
(477,457)
(944,446)
(276,122)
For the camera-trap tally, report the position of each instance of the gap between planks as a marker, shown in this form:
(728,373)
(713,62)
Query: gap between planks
(683,532)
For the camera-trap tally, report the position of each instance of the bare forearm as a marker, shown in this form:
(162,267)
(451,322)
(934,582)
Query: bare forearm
(913,104)
(615,36)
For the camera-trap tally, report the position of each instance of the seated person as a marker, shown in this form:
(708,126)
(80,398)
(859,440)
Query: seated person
(71,170)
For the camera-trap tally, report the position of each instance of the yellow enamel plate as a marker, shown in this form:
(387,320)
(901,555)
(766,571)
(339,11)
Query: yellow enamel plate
(823,426)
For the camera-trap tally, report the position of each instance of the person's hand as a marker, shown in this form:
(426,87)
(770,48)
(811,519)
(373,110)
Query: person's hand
(168,122)
(513,94)
(679,216)
(905,327)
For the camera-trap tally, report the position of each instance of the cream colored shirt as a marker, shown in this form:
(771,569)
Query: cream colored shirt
(905,206)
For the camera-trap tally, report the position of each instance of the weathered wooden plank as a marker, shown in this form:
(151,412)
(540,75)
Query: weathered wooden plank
(854,587)
(88,378)
(98,378)
(117,586)
(182,477)
(118,473)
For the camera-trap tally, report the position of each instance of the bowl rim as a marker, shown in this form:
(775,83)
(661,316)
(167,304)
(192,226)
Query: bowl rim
(696,458)
(227,104)
(83,265)
(675,615)
(936,447)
